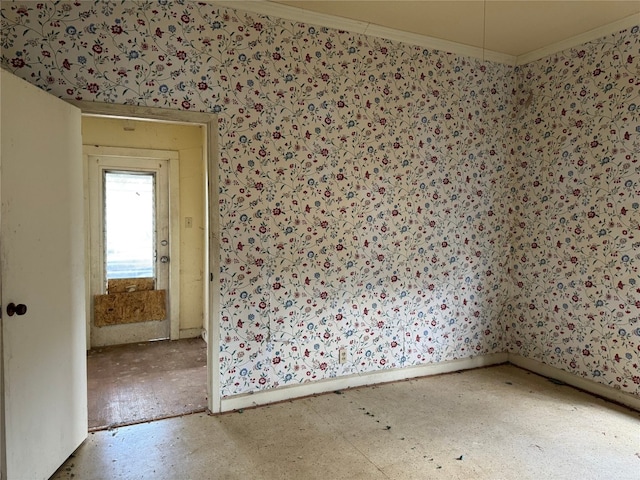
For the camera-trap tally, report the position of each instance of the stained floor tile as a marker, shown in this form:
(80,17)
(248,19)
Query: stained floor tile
(491,423)
(146,381)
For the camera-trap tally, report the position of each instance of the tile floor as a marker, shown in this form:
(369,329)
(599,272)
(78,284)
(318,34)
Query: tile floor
(145,381)
(492,423)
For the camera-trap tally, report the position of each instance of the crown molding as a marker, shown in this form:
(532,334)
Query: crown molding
(581,39)
(339,23)
(295,14)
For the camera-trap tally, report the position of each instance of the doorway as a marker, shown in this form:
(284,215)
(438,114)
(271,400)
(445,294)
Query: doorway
(192,304)
(135,267)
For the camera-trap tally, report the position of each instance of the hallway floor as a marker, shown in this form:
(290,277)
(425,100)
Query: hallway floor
(491,423)
(139,382)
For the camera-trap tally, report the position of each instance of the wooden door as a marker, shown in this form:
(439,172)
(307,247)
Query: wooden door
(42,251)
(132,245)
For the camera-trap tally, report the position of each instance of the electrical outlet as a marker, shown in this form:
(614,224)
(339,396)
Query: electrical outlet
(342,355)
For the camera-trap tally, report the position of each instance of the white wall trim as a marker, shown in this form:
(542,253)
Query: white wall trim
(393,375)
(585,384)
(359,380)
(339,23)
(212,327)
(174,248)
(581,39)
(191,332)
(321,19)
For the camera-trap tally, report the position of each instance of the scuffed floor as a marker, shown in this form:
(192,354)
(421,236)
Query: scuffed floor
(492,423)
(146,381)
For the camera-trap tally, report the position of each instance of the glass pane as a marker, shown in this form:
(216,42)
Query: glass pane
(129,224)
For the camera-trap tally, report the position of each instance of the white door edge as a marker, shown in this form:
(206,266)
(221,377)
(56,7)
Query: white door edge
(44,385)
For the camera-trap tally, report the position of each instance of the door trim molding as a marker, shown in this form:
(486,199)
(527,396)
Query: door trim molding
(212,249)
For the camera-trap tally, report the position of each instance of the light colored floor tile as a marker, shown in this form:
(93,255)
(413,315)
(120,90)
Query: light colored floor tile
(492,423)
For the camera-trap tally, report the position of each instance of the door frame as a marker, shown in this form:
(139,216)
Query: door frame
(212,248)
(96,261)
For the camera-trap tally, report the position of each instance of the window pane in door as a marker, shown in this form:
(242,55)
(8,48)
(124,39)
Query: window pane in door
(129,224)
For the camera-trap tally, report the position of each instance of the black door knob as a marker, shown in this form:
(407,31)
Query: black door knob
(19,309)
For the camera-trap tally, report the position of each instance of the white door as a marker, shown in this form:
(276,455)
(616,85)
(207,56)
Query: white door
(130,238)
(42,238)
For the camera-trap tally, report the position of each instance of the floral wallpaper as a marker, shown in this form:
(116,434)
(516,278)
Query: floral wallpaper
(575,205)
(372,192)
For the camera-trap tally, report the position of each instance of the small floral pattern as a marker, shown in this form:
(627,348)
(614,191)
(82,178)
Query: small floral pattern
(377,196)
(575,196)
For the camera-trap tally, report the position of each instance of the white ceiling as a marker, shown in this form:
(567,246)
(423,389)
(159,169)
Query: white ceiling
(510,27)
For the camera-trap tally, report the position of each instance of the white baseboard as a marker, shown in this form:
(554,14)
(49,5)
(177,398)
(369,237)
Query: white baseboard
(190,332)
(585,384)
(350,381)
(371,378)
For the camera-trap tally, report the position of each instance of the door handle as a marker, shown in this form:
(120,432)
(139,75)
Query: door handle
(19,309)
(164,259)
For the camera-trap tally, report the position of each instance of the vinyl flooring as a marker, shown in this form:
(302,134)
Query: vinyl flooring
(135,383)
(495,423)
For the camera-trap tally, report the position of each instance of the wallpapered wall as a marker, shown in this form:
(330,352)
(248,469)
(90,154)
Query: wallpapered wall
(575,196)
(367,199)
